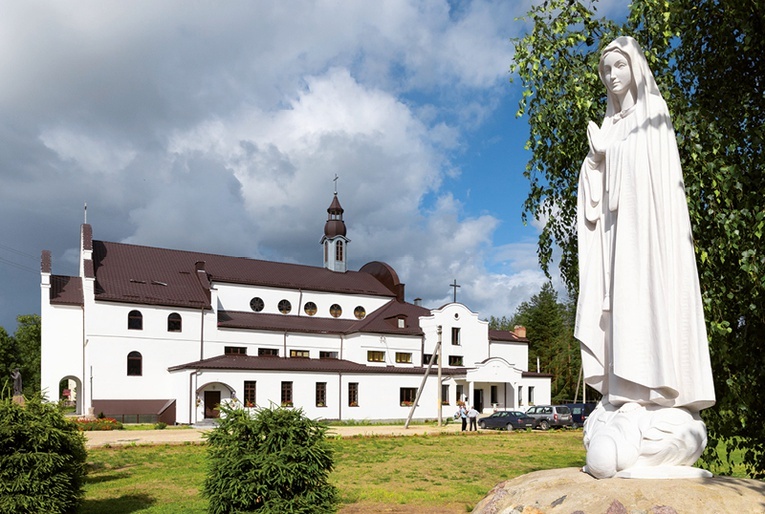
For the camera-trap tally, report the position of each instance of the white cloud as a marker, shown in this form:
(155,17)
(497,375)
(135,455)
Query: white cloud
(219,127)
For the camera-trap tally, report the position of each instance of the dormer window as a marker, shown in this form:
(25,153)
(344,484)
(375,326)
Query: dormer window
(401,323)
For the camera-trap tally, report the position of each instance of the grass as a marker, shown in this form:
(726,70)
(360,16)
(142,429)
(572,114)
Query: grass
(448,473)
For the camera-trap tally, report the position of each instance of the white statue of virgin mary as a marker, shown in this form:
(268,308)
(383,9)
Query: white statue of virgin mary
(639,313)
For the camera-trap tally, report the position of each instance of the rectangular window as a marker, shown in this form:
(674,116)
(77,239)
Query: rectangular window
(494,394)
(328,355)
(455,360)
(445,394)
(353,394)
(460,393)
(404,357)
(531,395)
(456,335)
(249,393)
(407,396)
(375,356)
(520,394)
(321,394)
(300,353)
(235,350)
(426,359)
(268,352)
(286,394)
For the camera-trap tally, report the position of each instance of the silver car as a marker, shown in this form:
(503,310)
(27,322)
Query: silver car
(546,416)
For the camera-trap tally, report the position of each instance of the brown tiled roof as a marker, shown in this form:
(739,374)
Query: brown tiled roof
(159,276)
(296,364)
(385,319)
(66,290)
(282,322)
(533,374)
(506,335)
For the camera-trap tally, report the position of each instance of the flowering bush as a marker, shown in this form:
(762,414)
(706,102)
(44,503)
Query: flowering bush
(87,424)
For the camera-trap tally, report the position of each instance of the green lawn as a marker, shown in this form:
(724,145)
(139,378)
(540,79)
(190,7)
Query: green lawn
(445,471)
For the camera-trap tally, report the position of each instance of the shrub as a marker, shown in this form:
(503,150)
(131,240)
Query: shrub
(88,424)
(270,460)
(42,459)
(160,425)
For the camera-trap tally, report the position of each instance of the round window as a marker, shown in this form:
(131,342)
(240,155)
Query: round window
(285,306)
(257,304)
(359,312)
(310,308)
(335,310)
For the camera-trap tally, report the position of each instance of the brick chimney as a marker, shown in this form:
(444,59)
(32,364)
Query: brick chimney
(520,331)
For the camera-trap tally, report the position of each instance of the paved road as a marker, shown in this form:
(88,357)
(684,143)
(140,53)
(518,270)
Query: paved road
(193,435)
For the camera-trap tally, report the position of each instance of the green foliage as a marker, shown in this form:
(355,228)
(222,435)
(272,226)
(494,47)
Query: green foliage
(274,461)
(22,351)
(550,331)
(42,459)
(708,58)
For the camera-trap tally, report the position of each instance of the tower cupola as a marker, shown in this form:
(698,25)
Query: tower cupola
(334,242)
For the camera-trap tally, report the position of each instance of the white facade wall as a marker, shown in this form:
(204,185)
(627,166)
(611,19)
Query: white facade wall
(516,354)
(61,346)
(473,336)
(356,348)
(237,297)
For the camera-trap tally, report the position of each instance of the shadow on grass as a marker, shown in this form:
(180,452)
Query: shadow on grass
(108,477)
(123,504)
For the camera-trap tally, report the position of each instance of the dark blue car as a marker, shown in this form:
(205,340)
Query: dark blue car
(580,411)
(507,420)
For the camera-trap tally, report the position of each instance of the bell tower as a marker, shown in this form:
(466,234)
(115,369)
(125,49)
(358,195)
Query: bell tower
(334,242)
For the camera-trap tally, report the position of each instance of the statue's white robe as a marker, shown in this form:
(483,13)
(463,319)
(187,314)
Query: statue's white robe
(650,344)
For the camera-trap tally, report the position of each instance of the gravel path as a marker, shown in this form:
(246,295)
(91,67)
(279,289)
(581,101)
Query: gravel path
(195,435)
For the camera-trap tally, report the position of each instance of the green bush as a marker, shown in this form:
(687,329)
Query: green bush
(272,461)
(42,459)
(160,425)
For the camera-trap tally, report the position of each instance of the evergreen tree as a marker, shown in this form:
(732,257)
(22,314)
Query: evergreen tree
(275,461)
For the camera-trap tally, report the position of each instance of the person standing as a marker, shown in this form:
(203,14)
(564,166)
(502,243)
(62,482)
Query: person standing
(472,415)
(463,416)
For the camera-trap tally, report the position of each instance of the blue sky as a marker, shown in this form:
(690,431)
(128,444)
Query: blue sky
(219,128)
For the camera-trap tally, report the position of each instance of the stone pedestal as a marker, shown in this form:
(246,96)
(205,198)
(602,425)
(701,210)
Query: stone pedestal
(571,491)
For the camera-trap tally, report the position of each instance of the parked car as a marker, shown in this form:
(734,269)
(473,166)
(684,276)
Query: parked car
(579,412)
(546,416)
(507,419)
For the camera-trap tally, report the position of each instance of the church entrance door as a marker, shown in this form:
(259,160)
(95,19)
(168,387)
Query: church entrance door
(478,400)
(212,401)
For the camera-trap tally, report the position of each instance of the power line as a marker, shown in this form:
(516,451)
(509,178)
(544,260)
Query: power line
(17,252)
(19,266)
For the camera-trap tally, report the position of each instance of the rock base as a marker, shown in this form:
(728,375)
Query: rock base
(571,491)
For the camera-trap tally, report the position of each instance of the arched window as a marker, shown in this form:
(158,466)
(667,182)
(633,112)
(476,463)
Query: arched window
(174,322)
(326,251)
(134,364)
(339,251)
(135,320)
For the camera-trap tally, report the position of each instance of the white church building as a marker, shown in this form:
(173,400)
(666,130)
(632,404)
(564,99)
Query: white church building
(150,334)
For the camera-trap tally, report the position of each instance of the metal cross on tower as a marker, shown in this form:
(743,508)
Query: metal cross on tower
(455,286)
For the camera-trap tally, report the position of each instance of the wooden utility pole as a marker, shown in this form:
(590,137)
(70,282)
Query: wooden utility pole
(436,355)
